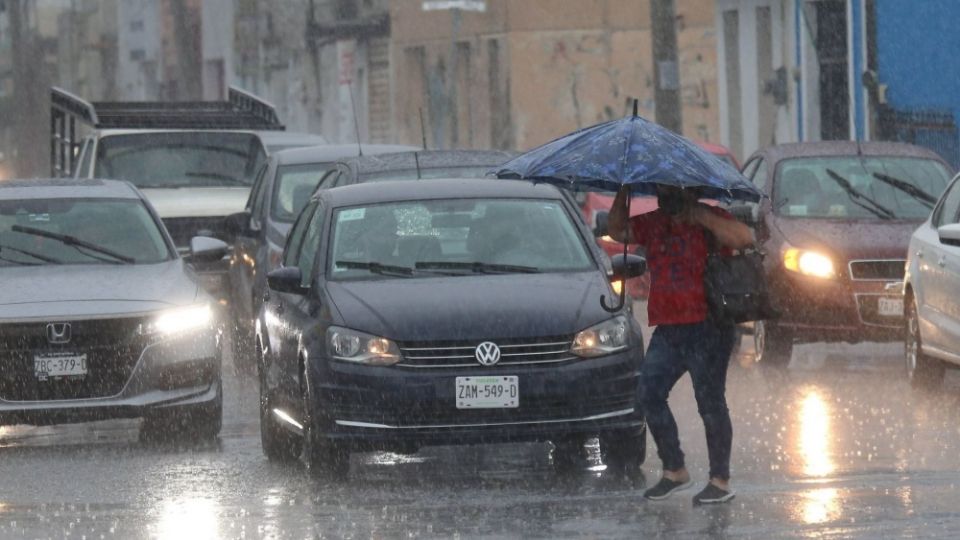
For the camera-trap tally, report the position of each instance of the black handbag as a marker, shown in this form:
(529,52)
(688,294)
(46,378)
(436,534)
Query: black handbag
(736,285)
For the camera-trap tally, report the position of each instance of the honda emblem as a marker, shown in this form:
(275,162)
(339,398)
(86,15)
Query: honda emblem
(59,333)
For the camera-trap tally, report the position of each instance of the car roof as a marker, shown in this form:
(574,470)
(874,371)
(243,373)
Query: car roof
(334,152)
(443,188)
(66,188)
(429,159)
(848,148)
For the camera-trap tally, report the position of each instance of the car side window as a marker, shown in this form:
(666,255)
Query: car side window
(309,247)
(86,155)
(759,176)
(291,252)
(257,197)
(949,208)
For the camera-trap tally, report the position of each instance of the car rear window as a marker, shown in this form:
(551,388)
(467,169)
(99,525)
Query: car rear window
(293,188)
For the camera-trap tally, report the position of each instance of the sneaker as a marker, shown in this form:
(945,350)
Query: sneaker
(664,488)
(713,495)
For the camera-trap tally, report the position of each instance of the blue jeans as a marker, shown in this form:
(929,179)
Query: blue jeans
(704,350)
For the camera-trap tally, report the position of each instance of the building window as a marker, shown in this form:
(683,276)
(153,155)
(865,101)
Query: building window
(137,55)
(136,26)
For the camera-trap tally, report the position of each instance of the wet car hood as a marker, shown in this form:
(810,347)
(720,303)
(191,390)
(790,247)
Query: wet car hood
(28,292)
(849,239)
(472,307)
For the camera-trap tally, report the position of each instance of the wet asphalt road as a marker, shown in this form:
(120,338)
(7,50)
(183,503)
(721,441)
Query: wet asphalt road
(838,447)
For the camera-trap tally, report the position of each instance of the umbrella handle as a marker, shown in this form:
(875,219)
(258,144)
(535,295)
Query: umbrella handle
(618,307)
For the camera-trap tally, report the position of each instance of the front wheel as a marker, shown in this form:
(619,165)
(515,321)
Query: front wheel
(773,345)
(923,372)
(279,444)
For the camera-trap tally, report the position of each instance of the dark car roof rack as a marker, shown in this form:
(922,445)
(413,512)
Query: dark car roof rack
(242,110)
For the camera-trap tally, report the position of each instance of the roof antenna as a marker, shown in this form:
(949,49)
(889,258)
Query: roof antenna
(356,123)
(416,159)
(423,131)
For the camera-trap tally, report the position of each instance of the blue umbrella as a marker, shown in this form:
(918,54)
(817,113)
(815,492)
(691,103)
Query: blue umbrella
(633,152)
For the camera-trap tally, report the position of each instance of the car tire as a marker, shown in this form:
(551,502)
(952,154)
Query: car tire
(324,458)
(923,372)
(624,452)
(279,444)
(773,345)
(194,424)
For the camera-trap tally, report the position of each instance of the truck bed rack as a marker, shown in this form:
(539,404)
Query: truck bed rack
(241,111)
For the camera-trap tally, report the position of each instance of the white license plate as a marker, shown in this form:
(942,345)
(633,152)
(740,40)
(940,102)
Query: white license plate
(59,365)
(890,307)
(494,392)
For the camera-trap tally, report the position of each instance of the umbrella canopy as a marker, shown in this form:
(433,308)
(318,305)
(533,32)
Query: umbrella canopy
(631,151)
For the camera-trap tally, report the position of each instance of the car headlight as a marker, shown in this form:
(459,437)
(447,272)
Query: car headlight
(179,320)
(808,263)
(601,339)
(353,346)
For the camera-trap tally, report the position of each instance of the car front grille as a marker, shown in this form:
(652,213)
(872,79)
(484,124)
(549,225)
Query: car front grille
(185,228)
(878,270)
(112,346)
(461,354)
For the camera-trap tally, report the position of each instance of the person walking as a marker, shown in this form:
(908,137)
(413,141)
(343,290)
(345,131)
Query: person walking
(677,238)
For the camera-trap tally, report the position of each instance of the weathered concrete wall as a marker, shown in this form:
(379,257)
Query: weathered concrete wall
(558,65)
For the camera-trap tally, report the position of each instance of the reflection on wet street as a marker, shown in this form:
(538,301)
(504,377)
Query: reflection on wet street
(838,446)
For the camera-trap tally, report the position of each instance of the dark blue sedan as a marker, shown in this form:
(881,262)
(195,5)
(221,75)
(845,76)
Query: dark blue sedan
(407,314)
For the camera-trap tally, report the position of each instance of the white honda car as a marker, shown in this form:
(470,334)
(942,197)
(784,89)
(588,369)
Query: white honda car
(932,292)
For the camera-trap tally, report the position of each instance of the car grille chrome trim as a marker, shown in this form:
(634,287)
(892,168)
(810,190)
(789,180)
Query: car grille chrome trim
(602,416)
(514,352)
(877,269)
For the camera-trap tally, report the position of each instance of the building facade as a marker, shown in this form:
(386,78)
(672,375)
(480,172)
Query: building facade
(811,70)
(518,74)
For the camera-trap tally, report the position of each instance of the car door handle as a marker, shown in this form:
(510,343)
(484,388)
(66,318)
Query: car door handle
(919,253)
(942,261)
(279,309)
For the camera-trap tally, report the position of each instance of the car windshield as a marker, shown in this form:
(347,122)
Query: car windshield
(852,187)
(180,159)
(79,231)
(293,188)
(457,237)
(425,173)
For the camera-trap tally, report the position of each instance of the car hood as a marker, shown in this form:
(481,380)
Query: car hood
(472,307)
(29,292)
(850,239)
(197,201)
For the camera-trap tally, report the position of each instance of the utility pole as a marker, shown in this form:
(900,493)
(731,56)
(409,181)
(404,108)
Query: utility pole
(666,69)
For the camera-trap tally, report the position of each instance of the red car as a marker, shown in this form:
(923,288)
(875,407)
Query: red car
(593,203)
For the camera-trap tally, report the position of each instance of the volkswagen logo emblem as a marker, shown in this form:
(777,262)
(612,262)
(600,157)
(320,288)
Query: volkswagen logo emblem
(488,354)
(59,333)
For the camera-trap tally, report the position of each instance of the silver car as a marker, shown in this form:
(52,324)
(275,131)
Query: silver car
(99,316)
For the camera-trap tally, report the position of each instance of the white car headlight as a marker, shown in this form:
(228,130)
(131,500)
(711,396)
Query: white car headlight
(361,348)
(601,339)
(179,320)
(809,263)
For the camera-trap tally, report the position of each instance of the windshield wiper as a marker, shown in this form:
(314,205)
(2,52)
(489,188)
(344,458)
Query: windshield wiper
(376,267)
(36,256)
(477,267)
(874,207)
(927,199)
(75,242)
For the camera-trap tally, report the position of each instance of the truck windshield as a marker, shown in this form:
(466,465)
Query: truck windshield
(180,159)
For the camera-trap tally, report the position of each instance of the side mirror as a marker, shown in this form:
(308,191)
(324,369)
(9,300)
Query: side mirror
(629,266)
(745,213)
(286,279)
(204,249)
(602,219)
(950,234)
(238,224)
